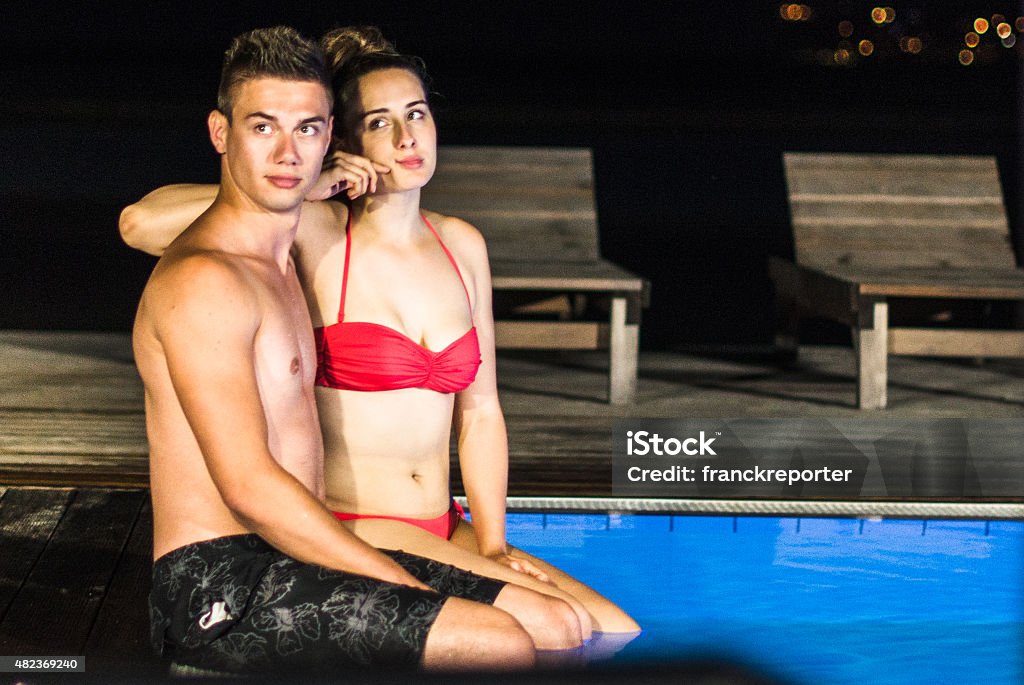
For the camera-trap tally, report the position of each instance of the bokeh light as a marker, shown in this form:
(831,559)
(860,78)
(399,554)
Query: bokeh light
(846,28)
(1020,24)
(865,47)
(911,44)
(841,56)
(972,39)
(878,15)
(795,12)
(890,14)
(981,25)
(1003,30)
(1009,41)
(966,57)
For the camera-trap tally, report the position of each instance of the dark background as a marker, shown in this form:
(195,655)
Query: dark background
(688,107)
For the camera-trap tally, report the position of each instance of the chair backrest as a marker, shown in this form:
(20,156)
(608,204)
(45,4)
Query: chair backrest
(889,211)
(532,204)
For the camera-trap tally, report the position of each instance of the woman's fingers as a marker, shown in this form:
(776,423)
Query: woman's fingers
(358,175)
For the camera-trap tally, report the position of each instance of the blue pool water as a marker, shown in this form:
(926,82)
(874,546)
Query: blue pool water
(830,601)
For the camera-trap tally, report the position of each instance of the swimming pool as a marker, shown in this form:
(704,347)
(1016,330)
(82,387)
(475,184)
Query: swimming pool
(808,600)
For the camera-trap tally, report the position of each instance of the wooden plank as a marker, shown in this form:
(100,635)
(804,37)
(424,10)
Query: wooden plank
(528,201)
(598,276)
(945,342)
(69,434)
(54,611)
(937,258)
(119,639)
(891,175)
(569,165)
(872,358)
(550,335)
(924,282)
(565,238)
(120,472)
(28,517)
(937,214)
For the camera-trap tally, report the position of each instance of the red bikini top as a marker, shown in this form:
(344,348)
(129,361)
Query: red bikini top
(359,355)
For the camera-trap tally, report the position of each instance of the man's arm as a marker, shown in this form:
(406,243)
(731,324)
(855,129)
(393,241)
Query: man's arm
(207,322)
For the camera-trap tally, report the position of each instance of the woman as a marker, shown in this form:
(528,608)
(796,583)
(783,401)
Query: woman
(400,299)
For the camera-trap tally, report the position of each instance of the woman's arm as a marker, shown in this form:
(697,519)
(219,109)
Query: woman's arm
(479,421)
(158,218)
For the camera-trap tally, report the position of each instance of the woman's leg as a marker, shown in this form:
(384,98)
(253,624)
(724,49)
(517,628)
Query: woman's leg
(607,617)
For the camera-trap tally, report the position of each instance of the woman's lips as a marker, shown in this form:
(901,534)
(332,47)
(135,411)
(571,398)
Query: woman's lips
(411,162)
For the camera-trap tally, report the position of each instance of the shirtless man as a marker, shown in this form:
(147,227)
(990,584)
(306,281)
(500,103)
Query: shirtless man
(252,572)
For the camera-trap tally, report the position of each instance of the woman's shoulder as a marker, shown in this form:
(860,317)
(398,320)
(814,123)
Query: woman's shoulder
(459,235)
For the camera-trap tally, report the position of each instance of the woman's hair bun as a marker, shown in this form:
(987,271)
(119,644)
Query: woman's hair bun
(350,44)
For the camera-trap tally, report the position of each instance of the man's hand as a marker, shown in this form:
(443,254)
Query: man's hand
(343,171)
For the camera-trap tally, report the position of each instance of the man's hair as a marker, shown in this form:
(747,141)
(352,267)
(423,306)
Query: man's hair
(278,52)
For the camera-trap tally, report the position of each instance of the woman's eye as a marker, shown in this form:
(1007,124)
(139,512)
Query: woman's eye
(417,114)
(309,130)
(377,124)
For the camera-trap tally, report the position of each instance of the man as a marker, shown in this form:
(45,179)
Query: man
(252,572)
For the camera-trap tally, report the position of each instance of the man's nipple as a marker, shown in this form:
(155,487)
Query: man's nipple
(296,365)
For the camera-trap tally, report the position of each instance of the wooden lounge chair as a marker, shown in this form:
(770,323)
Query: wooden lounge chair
(870,228)
(535,206)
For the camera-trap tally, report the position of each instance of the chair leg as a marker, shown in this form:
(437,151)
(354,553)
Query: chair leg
(871,345)
(787,326)
(624,344)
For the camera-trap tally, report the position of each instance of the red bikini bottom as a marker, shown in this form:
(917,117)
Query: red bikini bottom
(442,526)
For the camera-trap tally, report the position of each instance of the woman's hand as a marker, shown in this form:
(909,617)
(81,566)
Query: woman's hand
(519,564)
(343,171)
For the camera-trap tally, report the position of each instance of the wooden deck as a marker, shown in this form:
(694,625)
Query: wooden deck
(75,522)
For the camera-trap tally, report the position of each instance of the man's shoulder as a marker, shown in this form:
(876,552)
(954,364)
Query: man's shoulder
(189,279)
(194,268)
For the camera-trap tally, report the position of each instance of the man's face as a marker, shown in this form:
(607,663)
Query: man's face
(275,144)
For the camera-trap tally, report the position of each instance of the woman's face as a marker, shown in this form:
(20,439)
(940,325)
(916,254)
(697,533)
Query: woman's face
(394,127)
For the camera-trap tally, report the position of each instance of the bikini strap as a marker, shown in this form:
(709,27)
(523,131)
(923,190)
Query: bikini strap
(452,260)
(344,271)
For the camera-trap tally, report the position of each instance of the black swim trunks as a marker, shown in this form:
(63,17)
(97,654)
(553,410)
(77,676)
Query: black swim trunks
(236,604)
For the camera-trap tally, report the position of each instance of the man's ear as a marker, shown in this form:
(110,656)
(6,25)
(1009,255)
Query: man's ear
(330,134)
(218,125)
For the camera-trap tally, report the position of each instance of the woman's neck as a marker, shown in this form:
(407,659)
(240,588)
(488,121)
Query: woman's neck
(392,216)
